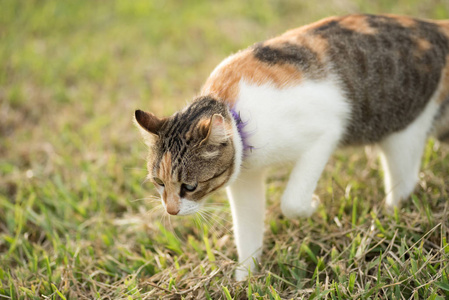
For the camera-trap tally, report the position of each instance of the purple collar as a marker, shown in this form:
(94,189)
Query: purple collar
(240,126)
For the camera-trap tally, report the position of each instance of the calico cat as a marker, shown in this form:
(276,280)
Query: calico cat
(342,81)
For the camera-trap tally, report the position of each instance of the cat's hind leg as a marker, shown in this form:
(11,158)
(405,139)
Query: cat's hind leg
(401,154)
(247,198)
(441,126)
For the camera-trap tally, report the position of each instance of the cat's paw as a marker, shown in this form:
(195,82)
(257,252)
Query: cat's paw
(241,274)
(399,195)
(297,209)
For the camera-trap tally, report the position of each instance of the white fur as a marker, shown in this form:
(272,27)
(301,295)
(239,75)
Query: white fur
(401,154)
(188,207)
(210,155)
(238,156)
(301,124)
(304,124)
(247,198)
(282,123)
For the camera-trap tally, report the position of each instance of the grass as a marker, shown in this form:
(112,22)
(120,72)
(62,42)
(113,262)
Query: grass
(76,219)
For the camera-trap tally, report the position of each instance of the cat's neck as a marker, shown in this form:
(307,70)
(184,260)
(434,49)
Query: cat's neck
(240,124)
(239,139)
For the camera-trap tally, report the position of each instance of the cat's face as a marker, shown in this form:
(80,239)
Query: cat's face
(191,154)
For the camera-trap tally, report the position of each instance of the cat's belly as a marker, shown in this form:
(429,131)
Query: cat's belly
(282,123)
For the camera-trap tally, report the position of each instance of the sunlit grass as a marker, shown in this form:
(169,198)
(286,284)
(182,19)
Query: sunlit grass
(77,219)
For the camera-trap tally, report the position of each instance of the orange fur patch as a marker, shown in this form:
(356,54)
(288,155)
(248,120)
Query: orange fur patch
(404,21)
(444,25)
(170,195)
(224,83)
(298,36)
(165,168)
(357,23)
(423,45)
(319,45)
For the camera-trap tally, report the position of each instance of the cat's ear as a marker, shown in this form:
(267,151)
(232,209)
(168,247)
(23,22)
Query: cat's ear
(215,130)
(149,125)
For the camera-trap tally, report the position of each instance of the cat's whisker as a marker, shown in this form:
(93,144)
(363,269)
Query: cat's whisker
(161,220)
(154,209)
(145,180)
(206,222)
(195,219)
(156,201)
(173,229)
(213,229)
(216,208)
(222,223)
(215,204)
(218,228)
(151,199)
(219,220)
(202,222)
(199,220)
(216,224)
(135,200)
(212,211)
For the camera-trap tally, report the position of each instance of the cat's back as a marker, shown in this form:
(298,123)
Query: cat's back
(387,66)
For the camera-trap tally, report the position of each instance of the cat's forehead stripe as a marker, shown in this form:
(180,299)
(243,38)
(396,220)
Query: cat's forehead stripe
(165,167)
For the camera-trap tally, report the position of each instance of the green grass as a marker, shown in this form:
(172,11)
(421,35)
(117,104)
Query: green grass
(76,219)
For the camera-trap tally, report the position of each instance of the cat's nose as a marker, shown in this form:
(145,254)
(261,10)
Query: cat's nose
(172,208)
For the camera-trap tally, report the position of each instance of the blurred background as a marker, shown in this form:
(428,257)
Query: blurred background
(72,212)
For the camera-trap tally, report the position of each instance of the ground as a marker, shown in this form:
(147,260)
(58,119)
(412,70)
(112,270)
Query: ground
(77,220)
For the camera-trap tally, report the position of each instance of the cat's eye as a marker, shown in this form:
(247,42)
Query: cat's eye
(158,181)
(188,187)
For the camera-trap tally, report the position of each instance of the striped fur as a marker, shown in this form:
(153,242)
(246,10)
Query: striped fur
(193,147)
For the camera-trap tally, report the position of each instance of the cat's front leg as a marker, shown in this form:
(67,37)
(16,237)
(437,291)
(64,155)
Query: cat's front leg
(298,200)
(247,198)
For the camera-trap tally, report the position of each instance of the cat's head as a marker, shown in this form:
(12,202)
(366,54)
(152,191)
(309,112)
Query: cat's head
(192,153)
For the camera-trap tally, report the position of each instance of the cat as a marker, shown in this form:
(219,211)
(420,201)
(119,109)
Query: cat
(343,81)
